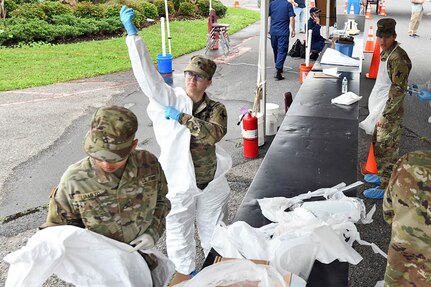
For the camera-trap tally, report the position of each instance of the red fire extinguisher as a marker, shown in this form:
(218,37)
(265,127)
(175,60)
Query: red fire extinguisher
(249,134)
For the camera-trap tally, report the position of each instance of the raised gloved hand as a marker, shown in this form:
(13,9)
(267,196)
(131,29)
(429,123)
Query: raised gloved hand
(424,95)
(126,17)
(145,241)
(172,113)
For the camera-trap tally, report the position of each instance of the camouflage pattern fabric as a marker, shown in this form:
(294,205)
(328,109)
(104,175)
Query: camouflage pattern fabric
(208,125)
(202,66)
(119,208)
(111,134)
(386,140)
(406,206)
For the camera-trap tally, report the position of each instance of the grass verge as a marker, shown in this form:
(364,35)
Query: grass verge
(43,64)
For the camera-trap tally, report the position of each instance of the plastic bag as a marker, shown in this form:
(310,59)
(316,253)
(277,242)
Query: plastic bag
(237,273)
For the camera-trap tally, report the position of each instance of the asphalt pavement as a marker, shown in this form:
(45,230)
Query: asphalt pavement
(43,127)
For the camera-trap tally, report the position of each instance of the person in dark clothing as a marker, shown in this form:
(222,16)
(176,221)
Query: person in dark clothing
(317,41)
(282,19)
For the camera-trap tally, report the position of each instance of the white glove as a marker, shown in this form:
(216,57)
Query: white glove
(145,241)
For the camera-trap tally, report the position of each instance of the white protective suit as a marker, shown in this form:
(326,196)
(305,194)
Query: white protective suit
(378,97)
(188,202)
(83,258)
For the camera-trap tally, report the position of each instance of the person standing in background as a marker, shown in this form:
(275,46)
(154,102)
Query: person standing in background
(416,17)
(282,17)
(406,207)
(299,9)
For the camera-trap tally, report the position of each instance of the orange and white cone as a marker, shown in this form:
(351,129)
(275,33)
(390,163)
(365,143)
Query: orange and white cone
(312,4)
(368,13)
(345,7)
(369,45)
(236,4)
(383,9)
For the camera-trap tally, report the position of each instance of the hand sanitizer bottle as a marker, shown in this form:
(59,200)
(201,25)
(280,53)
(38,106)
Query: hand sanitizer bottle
(344,86)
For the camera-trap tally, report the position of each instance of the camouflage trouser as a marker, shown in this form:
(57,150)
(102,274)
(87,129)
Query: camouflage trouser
(406,268)
(386,149)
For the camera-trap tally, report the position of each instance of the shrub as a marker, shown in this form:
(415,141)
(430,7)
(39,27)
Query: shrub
(160,4)
(29,11)
(187,9)
(150,10)
(112,10)
(54,8)
(88,10)
(10,6)
(204,7)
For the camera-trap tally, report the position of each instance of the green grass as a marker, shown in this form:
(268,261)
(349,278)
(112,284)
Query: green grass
(47,64)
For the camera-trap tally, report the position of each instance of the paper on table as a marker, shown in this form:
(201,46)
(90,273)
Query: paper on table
(331,72)
(346,99)
(334,57)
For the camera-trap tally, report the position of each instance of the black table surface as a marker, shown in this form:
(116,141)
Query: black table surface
(316,146)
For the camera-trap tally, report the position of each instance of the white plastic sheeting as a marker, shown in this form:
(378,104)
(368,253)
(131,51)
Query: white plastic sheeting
(240,273)
(311,230)
(188,202)
(83,258)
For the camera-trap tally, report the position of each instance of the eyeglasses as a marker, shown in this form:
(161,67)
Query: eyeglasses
(191,75)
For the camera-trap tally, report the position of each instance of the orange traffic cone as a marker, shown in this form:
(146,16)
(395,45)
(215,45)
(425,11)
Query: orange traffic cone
(379,6)
(375,63)
(236,4)
(383,9)
(312,4)
(370,167)
(369,45)
(368,13)
(352,9)
(345,7)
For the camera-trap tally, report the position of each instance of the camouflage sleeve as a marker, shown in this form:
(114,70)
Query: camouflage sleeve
(399,67)
(60,210)
(163,206)
(388,210)
(208,132)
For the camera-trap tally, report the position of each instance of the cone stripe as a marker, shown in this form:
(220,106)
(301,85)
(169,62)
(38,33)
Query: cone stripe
(368,13)
(369,45)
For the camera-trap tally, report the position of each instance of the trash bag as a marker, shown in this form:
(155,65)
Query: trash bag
(295,51)
(302,51)
(237,273)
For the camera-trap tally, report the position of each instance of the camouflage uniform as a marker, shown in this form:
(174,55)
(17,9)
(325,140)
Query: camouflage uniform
(208,125)
(406,206)
(386,140)
(121,205)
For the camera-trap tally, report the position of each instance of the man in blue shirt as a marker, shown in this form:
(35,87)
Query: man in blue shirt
(282,16)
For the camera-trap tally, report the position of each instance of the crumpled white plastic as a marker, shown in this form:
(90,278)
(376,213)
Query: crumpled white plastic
(240,273)
(346,99)
(320,226)
(83,258)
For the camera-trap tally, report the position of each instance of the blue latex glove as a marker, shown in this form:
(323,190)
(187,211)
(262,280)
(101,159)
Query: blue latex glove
(126,17)
(424,95)
(172,113)
(372,178)
(374,193)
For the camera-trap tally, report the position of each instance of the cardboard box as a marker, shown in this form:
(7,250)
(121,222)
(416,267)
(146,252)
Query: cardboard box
(178,277)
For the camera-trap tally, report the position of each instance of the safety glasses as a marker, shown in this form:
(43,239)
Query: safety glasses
(191,75)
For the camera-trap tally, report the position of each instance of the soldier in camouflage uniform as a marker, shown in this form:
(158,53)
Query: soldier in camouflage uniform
(208,122)
(391,87)
(187,126)
(116,191)
(406,206)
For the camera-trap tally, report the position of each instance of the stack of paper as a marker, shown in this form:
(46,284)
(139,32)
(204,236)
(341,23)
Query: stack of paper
(346,99)
(334,57)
